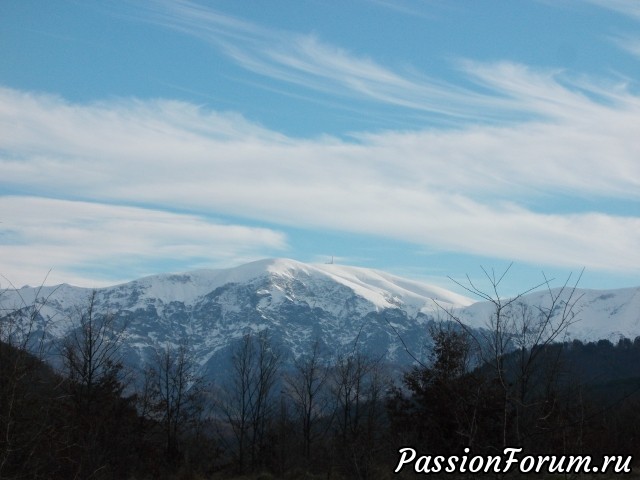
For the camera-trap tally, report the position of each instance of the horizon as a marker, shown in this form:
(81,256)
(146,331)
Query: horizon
(426,140)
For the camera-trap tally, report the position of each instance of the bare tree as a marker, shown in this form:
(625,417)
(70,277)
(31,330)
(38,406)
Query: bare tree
(94,385)
(268,363)
(20,319)
(305,386)
(248,401)
(23,414)
(236,404)
(357,384)
(91,352)
(175,395)
(516,325)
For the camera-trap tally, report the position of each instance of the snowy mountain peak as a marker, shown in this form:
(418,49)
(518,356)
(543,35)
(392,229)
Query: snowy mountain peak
(380,289)
(298,303)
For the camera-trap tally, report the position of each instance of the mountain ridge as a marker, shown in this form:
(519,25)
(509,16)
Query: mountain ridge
(298,303)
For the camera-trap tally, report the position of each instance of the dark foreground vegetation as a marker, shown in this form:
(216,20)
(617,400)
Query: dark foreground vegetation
(516,383)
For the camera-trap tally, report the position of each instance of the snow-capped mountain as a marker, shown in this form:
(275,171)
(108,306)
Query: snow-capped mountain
(599,314)
(298,303)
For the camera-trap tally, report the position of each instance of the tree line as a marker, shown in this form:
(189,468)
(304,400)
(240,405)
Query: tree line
(517,382)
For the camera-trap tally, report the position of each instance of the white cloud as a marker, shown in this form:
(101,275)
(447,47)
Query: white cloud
(72,237)
(629,43)
(631,8)
(627,7)
(463,189)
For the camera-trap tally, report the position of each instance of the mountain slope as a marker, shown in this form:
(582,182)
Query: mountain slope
(298,303)
(211,308)
(599,314)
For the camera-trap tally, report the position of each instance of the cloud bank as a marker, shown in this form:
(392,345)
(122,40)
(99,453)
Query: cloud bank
(90,244)
(467,190)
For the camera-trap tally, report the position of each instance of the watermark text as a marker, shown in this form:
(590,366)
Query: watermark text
(511,459)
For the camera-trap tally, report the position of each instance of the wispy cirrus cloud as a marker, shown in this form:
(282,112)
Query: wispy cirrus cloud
(630,42)
(307,61)
(505,91)
(627,7)
(429,9)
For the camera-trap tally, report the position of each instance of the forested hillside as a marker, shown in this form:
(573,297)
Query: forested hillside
(338,418)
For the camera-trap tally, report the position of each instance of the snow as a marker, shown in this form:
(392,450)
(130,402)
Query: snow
(378,287)
(287,294)
(374,286)
(599,314)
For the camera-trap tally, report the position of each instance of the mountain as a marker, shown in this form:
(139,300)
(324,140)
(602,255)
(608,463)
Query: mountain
(298,303)
(599,314)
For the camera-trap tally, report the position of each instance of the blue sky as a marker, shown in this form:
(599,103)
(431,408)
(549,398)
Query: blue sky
(426,138)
